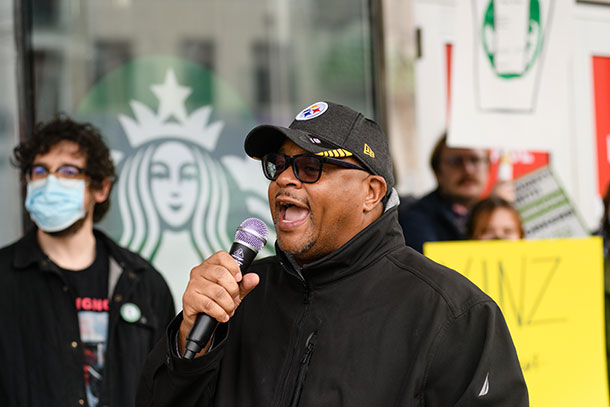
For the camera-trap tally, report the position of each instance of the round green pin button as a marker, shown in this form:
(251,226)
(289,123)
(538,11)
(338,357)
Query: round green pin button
(130,312)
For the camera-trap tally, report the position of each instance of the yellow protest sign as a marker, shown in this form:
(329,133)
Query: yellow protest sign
(551,294)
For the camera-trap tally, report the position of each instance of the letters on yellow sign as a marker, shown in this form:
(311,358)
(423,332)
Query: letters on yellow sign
(551,295)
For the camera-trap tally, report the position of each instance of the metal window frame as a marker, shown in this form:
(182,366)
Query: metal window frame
(24,73)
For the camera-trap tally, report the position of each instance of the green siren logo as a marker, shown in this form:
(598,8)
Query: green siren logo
(512,36)
(171,179)
(184,182)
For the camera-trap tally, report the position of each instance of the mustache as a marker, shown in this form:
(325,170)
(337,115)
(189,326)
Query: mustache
(466,179)
(289,195)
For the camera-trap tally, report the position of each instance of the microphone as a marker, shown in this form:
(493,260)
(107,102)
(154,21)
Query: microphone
(250,237)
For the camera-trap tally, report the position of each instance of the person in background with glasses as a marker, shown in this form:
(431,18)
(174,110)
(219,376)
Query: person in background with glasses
(345,314)
(461,175)
(79,313)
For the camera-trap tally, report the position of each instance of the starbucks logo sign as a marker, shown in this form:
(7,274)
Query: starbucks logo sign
(184,182)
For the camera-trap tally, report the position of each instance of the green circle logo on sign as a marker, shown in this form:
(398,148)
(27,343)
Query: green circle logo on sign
(500,37)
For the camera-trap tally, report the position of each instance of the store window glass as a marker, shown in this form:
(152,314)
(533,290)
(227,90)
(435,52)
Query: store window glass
(10,204)
(175,87)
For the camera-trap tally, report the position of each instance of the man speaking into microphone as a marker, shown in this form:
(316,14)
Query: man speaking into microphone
(345,314)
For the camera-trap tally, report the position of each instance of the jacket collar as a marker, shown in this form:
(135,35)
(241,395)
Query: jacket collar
(122,256)
(28,252)
(373,242)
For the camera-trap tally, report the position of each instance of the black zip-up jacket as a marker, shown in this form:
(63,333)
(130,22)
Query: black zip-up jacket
(373,324)
(41,357)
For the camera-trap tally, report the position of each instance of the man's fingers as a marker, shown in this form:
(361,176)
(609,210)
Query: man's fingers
(219,295)
(214,276)
(210,306)
(216,287)
(210,294)
(248,283)
(224,259)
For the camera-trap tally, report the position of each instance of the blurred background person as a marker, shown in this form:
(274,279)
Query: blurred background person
(494,218)
(461,175)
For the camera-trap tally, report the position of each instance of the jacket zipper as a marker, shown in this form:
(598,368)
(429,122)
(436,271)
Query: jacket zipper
(283,396)
(309,346)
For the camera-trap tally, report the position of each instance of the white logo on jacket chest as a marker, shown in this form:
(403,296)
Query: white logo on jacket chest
(485,388)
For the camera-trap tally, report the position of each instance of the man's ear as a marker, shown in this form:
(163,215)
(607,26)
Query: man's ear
(375,192)
(101,194)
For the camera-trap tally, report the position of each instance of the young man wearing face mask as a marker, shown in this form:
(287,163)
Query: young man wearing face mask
(79,313)
(344,314)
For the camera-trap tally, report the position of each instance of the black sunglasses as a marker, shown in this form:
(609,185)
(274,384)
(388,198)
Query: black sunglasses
(307,168)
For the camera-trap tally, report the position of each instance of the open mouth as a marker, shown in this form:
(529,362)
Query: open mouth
(292,215)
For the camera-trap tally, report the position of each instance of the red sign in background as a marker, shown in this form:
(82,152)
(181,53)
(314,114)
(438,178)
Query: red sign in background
(522,161)
(601,92)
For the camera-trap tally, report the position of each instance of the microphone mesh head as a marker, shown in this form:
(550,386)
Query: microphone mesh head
(253,232)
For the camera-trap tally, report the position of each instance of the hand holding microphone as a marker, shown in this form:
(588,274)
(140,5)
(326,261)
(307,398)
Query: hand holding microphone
(218,285)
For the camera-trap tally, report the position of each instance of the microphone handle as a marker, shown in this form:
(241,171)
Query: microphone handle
(204,325)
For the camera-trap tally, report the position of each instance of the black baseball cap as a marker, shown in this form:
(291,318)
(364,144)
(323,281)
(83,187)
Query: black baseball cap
(331,130)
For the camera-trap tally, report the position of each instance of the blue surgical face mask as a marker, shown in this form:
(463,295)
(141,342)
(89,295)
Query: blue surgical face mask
(55,204)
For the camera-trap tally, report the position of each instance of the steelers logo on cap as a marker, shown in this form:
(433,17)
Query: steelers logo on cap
(312,111)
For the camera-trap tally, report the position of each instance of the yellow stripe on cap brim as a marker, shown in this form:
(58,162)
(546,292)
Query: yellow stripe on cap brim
(337,153)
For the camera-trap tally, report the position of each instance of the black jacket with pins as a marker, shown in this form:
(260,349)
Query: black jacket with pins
(373,324)
(41,357)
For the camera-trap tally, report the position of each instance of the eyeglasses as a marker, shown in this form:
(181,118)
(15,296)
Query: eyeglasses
(37,172)
(459,161)
(307,168)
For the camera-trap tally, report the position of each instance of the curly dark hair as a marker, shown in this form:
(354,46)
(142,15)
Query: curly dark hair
(99,165)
